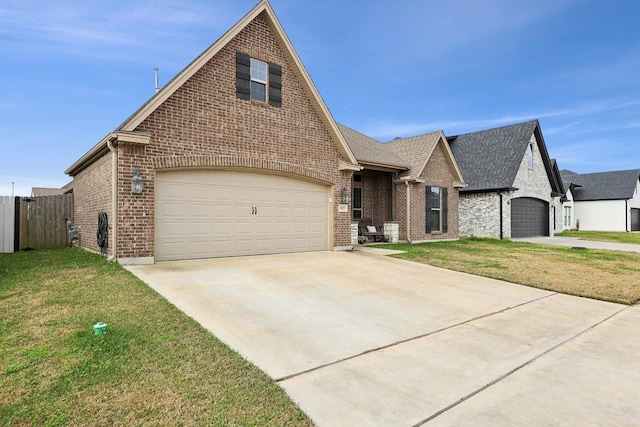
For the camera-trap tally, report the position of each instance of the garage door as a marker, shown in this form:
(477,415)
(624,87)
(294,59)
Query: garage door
(529,217)
(212,213)
(635,219)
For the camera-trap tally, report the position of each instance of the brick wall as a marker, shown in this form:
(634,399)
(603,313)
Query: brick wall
(436,174)
(92,193)
(204,124)
(376,186)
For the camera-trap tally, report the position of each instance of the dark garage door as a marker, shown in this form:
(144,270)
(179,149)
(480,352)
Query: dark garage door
(529,217)
(635,219)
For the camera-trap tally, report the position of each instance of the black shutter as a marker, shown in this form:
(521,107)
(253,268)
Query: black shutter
(427,195)
(243,76)
(445,211)
(275,85)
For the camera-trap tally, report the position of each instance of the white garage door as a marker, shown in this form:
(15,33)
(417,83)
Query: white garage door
(213,213)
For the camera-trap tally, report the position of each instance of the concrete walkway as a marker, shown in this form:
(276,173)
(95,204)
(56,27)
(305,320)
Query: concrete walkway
(360,339)
(580,243)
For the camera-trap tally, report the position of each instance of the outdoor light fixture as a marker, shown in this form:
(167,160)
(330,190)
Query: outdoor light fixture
(344,193)
(137,183)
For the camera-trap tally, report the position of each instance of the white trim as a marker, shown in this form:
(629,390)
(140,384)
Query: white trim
(342,248)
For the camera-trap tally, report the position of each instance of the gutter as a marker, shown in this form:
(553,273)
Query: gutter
(626,215)
(114,196)
(501,219)
(406,184)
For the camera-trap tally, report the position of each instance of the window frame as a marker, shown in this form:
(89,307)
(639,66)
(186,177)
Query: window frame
(567,216)
(254,78)
(357,184)
(269,80)
(442,209)
(530,155)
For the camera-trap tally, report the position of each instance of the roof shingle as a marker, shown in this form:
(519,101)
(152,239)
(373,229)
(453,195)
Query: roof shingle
(489,159)
(615,185)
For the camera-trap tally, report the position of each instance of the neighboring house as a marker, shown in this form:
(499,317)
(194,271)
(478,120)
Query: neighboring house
(603,201)
(514,188)
(412,182)
(44,191)
(238,155)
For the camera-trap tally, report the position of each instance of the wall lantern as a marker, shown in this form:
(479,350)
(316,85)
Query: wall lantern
(137,183)
(344,194)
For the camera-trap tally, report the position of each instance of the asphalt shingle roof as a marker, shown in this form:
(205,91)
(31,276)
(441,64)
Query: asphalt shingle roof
(369,150)
(615,185)
(415,149)
(489,159)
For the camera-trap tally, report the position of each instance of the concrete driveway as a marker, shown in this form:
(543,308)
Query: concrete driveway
(358,339)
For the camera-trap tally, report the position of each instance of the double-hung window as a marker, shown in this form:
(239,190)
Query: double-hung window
(258,80)
(436,210)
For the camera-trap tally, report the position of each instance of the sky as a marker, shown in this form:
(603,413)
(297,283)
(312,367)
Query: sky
(72,71)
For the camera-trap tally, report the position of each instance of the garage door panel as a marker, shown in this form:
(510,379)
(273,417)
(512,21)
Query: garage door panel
(172,229)
(264,245)
(244,227)
(212,213)
(264,228)
(224,228)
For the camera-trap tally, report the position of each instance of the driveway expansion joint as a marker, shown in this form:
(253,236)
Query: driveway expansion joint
(414,338)
(517,368)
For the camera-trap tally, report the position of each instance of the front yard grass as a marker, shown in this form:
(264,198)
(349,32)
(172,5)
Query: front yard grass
(605,275)
(604,236)
(154,366)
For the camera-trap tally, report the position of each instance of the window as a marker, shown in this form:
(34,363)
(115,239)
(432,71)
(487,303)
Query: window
(436,210)
(530,156)
(567,216)
(258,80)
(356,197)
(357,203)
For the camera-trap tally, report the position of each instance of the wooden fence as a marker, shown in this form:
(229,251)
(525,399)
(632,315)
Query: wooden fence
(35,222)
(43,221)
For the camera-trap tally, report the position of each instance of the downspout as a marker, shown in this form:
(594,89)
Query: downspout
(114,197)
(626,215)
(406,184)
(501,221)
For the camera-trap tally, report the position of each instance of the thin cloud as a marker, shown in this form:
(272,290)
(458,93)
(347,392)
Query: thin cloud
(105,30)
(390,130)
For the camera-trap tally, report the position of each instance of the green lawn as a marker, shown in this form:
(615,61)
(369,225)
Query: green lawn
(606,275)
(155,366)
(603,236)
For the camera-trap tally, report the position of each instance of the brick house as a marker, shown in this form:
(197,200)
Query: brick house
(238,155)
(409,184)
(514,188)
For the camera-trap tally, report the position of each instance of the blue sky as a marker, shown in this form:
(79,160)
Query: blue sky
(71,71)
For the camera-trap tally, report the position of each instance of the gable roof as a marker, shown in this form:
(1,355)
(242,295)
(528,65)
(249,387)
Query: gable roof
(615,185)
(417,151)
(490,159)
(263,7)
(372,152)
